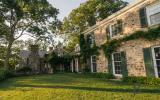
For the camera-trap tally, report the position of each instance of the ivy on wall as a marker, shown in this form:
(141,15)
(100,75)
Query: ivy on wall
(111,46)
(86,49)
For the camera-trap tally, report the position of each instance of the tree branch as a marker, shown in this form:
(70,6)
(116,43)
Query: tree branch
(23,30)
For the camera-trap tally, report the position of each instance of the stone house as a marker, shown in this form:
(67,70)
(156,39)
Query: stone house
(34,58)
(137,57)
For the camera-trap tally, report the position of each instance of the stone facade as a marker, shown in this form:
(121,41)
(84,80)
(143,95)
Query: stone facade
(130,17)
(101,62)
(134,55)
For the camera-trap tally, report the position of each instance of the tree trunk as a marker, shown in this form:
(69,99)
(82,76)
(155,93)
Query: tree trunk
(8,54)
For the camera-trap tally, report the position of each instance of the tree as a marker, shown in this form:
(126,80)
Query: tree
(87,14)
(19,17)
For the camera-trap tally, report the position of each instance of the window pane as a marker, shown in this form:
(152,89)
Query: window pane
(155,19)
(117,63)
(157,53)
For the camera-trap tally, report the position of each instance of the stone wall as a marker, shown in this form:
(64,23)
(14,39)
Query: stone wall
(134,49)
(134,55)
(101,62)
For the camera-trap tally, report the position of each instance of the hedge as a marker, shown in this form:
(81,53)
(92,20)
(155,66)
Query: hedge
(100,75)
(5,74)
(142,80)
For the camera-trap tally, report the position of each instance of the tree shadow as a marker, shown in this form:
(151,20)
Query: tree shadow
(94,89)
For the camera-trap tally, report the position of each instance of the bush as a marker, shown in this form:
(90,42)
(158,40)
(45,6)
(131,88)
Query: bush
(100,75)
(142,80)
(24,70)
(5,74)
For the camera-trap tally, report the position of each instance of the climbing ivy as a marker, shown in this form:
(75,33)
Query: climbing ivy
(151,34)
(86,49)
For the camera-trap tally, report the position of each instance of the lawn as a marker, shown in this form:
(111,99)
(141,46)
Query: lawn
(67,86)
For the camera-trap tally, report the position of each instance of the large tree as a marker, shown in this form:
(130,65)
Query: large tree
(88,13)
(19,17)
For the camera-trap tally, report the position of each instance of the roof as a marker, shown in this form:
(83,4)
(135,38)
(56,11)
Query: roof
(42,53)
(25,54)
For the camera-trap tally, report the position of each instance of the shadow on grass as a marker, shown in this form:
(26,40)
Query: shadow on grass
(94,89)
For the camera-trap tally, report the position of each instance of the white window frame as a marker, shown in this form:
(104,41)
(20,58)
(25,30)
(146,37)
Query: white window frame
(92,64)
(154,61)
(113,65)
(110,30)
(151,13)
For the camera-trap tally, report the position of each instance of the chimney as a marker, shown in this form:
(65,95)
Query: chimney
(50,49)
(34,48)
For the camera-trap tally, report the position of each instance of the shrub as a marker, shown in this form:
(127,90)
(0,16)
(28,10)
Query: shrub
(4,74)
(24,70)
(142,80)
(100,75)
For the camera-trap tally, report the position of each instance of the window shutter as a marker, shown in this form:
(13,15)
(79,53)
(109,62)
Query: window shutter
(124,64)
(143,17)
(120,26)
(110,67)
(148,62)
(108,33)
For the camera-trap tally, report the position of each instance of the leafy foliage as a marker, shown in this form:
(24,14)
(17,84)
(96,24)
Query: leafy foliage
(100,75)
(142,80)
(90,11)
(55,60)
(19,16)
(4,74)
(86,49)
(150,35)
(26,69)
(86,15)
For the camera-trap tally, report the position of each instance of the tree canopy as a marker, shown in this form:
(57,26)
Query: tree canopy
(19,17)
(87,14)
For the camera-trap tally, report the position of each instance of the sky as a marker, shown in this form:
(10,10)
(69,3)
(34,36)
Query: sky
(66,6)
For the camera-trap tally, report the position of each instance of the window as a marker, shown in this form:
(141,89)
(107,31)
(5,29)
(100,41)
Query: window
(93,64)
(155,19)
(91,39)
(153,13)
(156,60)
(117,62)
(116,28)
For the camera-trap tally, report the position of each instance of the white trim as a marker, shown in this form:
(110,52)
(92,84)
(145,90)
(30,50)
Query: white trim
(110,31)
(154,61)
(91,65)
(77,65)
(72,67)
(113,66)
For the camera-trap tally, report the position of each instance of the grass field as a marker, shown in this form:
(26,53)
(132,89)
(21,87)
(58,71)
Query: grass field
(68,86)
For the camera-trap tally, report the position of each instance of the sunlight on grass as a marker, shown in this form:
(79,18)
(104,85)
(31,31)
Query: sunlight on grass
(71,87)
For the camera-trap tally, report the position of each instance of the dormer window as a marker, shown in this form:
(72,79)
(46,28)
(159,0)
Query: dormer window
(116,28)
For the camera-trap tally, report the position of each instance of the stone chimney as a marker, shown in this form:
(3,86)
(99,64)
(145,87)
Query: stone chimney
(34,48)
(50,49)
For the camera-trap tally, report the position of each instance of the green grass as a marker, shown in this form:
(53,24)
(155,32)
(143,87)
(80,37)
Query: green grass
(68,86)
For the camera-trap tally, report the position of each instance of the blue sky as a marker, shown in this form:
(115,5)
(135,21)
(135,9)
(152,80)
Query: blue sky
(66,6)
